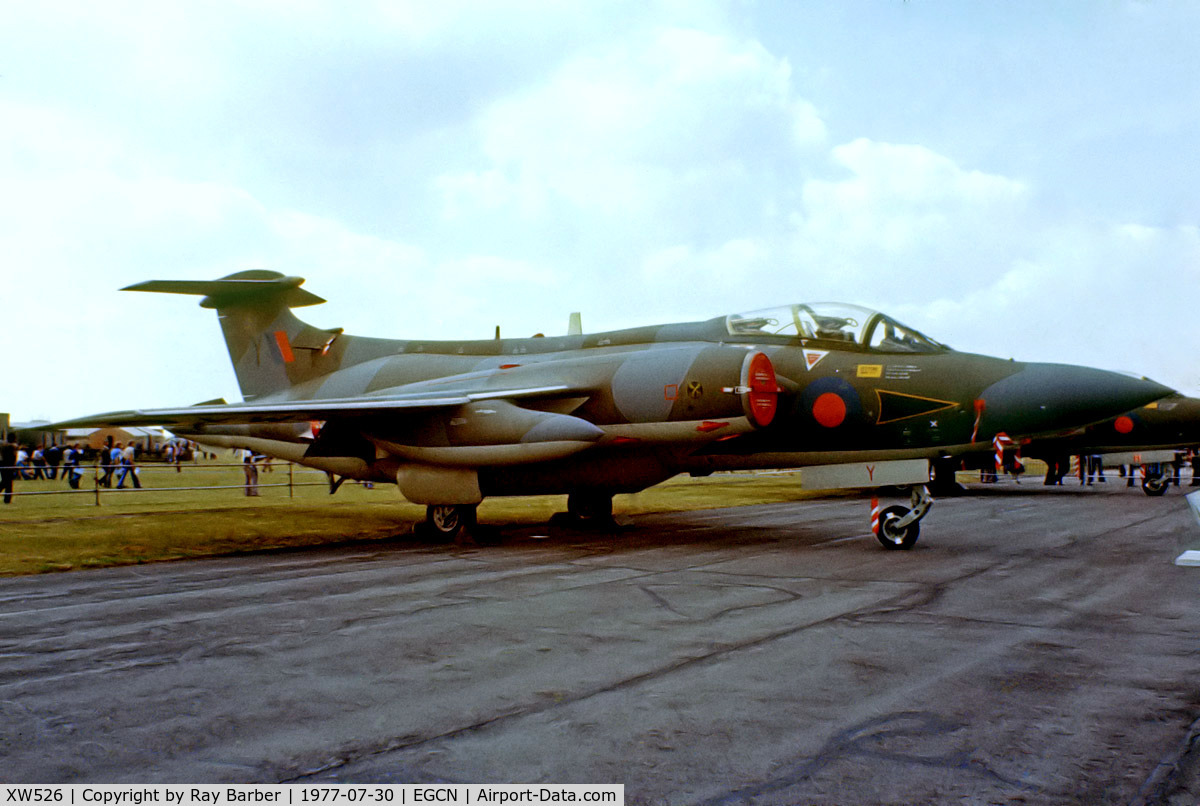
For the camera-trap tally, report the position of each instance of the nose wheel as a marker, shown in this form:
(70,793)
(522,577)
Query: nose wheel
(1156,485)
(900,526)
(1156,478)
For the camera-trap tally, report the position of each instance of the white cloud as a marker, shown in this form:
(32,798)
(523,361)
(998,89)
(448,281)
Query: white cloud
(1113,296)
(434,170)
(904,217)
(636,127)
(974,259)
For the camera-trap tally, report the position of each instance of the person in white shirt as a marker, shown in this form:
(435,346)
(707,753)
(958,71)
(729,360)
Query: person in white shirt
(250,468)
(128,470)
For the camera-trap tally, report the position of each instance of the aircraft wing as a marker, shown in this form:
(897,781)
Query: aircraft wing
(285,411)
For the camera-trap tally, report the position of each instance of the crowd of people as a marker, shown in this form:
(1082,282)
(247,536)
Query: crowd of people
(1090,469)
(116,463)
(30,463)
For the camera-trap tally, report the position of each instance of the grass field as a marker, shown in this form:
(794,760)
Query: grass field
(166,521)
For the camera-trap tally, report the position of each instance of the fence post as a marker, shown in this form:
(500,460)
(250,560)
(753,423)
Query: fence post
(290,466)
(96,481)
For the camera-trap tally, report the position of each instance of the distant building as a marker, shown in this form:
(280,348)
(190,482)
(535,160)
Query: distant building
(33,433)
(150,439)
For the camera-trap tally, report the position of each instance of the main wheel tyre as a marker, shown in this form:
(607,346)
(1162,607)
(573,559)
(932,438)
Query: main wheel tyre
(590,508)
(892,537)
(447,520)
(1156,485)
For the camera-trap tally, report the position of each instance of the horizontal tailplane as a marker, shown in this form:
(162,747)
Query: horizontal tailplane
(243,288)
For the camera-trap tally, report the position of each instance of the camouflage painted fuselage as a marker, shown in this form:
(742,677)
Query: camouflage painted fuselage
(453,421)
(1170,423)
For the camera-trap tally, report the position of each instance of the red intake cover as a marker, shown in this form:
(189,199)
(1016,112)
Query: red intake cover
(758,375)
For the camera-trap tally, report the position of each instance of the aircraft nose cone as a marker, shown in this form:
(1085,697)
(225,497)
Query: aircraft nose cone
(1055,397)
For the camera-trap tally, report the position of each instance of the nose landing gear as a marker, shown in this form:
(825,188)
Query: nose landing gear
(900,526)
(1155,479)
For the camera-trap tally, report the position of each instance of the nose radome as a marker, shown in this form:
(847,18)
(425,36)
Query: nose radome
(1055,397)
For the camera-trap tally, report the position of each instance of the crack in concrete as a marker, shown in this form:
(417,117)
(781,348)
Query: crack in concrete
(355,754)
(868,740)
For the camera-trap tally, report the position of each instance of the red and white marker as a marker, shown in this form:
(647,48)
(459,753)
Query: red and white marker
(1001,441)
(874,515)
(980,405)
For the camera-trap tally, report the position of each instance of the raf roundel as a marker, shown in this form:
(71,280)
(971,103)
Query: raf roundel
(831,402)
(1123,424)
(829,410)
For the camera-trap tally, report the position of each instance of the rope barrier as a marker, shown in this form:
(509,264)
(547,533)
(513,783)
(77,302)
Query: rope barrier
(97,471)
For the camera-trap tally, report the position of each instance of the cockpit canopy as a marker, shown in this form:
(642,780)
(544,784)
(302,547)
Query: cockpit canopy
(833,321)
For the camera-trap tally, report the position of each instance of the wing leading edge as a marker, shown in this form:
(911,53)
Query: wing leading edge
(300,410)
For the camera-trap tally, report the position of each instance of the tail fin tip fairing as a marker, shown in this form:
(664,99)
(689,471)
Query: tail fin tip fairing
(242,288)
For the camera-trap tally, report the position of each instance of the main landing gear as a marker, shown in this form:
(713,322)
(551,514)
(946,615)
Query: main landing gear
(586,510)
(900,526)
(590,509)
(456,522)
(447,520)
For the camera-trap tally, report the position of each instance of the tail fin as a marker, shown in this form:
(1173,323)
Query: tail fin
(270,348)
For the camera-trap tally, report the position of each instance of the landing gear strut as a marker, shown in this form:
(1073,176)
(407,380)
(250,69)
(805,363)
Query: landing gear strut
(445,521)
(590,507)
(586,510)
(944,482)
(900,526)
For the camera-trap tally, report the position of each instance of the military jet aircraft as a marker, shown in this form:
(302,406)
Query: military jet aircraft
(849,394)
(1147,436)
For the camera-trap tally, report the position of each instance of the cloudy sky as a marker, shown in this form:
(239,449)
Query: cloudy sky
(1014,178)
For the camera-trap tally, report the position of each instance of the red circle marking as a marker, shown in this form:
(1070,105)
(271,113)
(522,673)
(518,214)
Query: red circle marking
(829,410)
(1123,424)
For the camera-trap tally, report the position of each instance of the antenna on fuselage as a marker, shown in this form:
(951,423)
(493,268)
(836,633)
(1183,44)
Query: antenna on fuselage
(575,324)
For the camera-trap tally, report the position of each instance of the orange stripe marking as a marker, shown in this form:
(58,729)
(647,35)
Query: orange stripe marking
(285,349)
